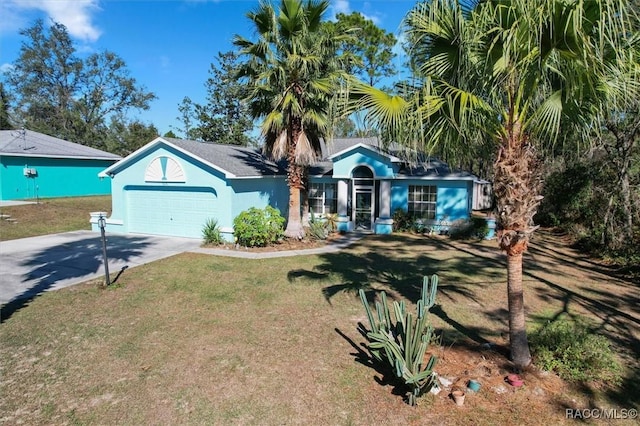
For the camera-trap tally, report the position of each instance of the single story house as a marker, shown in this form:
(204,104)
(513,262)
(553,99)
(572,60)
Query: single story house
(34,165)
(172,187)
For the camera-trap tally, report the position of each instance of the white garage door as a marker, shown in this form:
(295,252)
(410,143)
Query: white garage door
(165,212)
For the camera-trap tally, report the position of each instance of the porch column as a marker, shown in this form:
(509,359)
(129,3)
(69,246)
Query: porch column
(384,223)
(343,197)
(385,199)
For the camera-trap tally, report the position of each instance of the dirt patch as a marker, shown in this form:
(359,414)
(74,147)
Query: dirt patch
(283,245)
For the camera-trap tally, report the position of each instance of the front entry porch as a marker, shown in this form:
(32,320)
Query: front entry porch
(364,203)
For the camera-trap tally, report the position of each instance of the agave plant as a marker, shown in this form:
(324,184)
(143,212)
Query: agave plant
(402,342)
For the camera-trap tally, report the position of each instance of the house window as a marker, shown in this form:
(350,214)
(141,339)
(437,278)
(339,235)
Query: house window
(323,198)
(422,201)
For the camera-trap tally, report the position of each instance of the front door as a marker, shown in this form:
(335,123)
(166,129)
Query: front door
(363,211)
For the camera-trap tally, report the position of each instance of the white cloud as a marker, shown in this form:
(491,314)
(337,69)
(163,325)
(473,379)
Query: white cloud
(5,68)
(343,6)
(76,15)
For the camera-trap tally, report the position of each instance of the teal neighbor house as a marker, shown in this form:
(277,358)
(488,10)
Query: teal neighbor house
(34,165)
(172,187)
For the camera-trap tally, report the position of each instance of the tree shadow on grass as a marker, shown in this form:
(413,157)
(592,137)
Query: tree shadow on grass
(71,262)
(385,375)
(396,265)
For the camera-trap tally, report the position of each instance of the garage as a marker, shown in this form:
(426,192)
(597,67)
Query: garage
(170,211)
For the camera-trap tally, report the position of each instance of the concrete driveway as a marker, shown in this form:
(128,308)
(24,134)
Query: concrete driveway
(33,265)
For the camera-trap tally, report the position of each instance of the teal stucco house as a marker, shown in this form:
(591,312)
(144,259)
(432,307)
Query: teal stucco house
(34,165)
(172,187)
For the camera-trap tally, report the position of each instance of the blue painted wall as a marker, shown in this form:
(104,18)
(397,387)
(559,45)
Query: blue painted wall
(259,193)
(452,199)
(56,177)
(344,164)
(228,197)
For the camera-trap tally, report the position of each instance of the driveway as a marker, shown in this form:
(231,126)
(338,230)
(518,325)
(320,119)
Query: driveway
(30,266)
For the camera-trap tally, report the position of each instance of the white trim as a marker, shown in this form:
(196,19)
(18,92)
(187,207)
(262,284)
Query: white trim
(371,148)
(74,157)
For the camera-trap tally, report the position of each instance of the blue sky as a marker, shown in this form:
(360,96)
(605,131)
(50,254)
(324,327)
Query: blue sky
(168,45)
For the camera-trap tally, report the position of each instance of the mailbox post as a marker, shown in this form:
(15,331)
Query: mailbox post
(102,223)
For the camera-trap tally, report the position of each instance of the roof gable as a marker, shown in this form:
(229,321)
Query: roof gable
(231,160)
(26,143)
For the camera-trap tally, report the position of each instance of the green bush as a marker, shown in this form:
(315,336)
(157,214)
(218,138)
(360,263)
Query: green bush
(318,229)
(402,221)
(258,227)
(474,228)
(211,232)
(575,352)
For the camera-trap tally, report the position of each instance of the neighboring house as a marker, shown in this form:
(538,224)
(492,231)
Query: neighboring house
(34,165)
(172,186)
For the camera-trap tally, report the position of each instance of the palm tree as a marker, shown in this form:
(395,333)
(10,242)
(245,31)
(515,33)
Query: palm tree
(509,75)
(292,72)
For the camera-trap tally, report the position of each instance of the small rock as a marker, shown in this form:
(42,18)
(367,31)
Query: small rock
(445,381)
(486,346)
(499,389)
(538,391)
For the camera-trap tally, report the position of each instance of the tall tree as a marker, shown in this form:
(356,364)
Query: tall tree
(510,74)
(58,93)
(5,123)
(126,137)
(225,118)
(292,73)
(370,54)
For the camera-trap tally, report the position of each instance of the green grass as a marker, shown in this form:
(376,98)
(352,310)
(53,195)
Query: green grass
(50,216)
(198,339)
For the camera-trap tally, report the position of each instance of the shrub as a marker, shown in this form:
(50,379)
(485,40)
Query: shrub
(401,345)
(258,227)
(402,221)
(474,228)
(318,229)
(574,351)
(211,232)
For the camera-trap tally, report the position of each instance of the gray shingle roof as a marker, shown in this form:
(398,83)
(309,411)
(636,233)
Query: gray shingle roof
(238,160)
(33,144)
(246,162)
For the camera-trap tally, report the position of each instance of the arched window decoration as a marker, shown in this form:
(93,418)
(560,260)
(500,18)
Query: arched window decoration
(362,175)
(164,169)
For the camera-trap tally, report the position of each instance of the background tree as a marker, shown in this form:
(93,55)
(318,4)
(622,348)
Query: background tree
(292,72)
(370,55)
(126,137)
(511,75)
(225,118)
(187,110)
(59,94)
(5,123)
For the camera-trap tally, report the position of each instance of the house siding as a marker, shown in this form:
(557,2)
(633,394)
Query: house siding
(198,178)
(344,164)
(55,177)
(452,199)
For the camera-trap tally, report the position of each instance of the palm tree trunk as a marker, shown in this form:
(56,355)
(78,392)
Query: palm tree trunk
(295,180)
(519,343)
(517,184)
(294,223)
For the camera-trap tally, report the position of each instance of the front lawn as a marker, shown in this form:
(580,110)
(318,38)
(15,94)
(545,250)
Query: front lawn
(200,339)
(50,216)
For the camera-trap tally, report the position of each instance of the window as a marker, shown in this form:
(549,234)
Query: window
(323,198)
(422,201)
